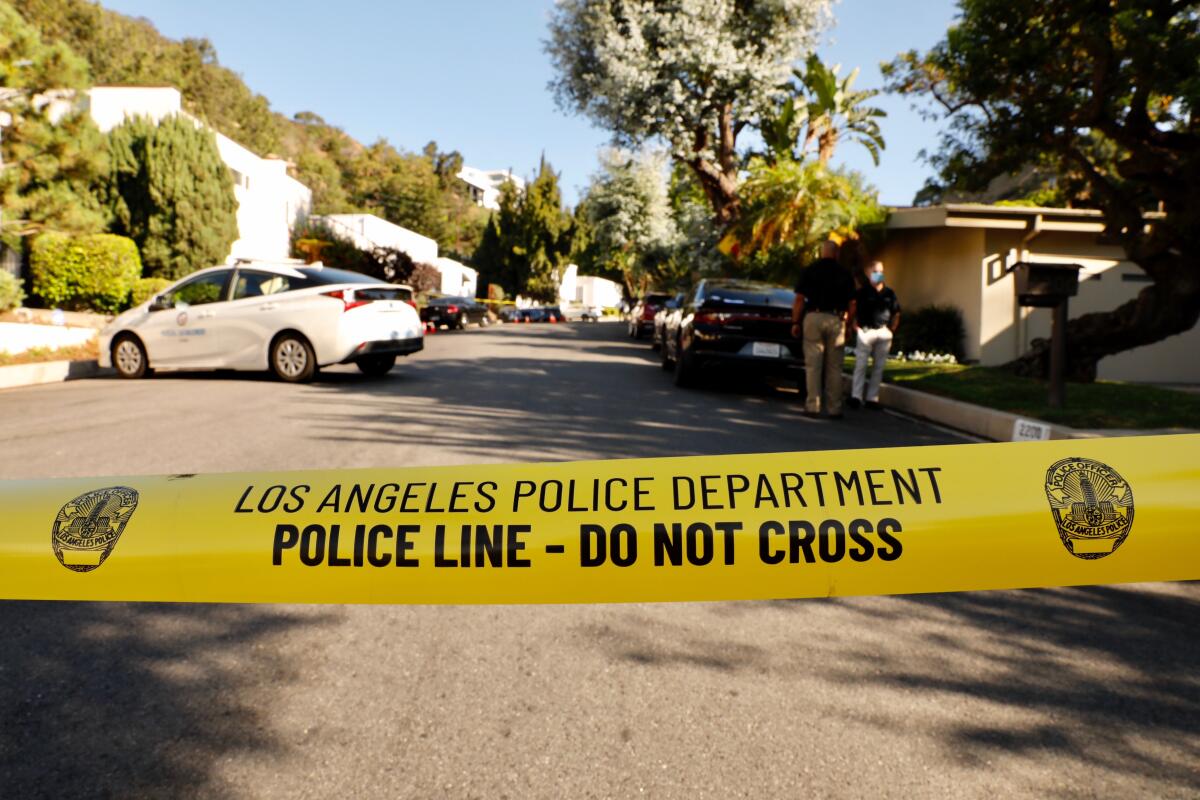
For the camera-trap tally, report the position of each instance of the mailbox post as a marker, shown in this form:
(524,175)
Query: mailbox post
(1043,285)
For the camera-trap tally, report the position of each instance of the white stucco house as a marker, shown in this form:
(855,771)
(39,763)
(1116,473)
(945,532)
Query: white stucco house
(587,290)
(457,278)
(270,202)
(368,231)
(485,185)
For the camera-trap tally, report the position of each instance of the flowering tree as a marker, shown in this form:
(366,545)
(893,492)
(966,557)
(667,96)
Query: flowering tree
(693,73)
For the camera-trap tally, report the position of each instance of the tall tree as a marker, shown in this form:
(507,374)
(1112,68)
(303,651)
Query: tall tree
(528,241)
(1107,90)
(694,73)
(51,151)
(171,193)
(630,224)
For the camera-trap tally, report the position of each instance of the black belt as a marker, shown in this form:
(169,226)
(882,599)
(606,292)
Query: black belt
(825,311)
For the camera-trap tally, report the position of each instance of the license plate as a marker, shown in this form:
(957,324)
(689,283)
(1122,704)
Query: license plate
(767,349)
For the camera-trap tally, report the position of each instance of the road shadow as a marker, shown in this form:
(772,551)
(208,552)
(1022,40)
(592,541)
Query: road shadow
(596,395)
(133,700)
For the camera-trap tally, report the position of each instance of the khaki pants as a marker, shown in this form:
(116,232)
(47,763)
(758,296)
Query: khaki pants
(873,344)
(824,351)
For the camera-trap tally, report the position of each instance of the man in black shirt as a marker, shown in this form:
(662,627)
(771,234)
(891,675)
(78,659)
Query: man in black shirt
(821,312)
(875,321)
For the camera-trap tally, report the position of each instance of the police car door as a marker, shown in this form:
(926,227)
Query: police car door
(182,327)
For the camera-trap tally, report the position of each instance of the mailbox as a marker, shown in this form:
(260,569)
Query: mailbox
(1045,285)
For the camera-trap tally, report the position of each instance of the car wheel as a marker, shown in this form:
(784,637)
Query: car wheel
(293,359)
(685,369)
(668,363)
(376,366)
(129,357)
(461,322)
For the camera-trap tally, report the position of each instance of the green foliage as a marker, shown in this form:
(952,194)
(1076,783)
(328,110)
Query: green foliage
(528,241)
(169,191)
(124,51)
(630,230)
(836,111)
(791,207)
(11,292)
(318,242)
(50,165)
(933,329)
(145,288)
(79,273)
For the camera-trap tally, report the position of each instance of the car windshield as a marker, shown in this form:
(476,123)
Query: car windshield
(324,276)
(744,293)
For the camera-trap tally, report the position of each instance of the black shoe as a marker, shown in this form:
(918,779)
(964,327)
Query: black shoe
(854,403)
(873,405)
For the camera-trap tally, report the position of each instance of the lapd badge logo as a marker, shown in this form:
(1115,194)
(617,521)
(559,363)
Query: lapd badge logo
(88,527)
(1092,506)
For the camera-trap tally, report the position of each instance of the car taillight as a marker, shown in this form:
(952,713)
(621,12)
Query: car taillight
(451,309)
(711,318)
(412,303)
(347,298)
(648,312)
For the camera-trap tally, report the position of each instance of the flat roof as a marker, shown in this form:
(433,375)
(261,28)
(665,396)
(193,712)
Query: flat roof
(982,215)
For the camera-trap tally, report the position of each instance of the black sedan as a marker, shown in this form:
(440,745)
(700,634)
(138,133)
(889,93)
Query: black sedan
(660,319)
(732,323)
(454,312)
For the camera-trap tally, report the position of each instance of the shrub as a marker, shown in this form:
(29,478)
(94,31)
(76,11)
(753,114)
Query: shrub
(933,329)
(11,293)
(81,273)
(145,288)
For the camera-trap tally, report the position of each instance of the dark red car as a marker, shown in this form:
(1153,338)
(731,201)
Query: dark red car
(641,319)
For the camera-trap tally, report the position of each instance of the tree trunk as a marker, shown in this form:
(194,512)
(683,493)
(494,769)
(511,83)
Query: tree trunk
(719,180)
(1171,305)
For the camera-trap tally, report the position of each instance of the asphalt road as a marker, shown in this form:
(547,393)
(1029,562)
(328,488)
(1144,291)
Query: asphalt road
(1089,692)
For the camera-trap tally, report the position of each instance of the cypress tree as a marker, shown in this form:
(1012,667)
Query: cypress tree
(170,192)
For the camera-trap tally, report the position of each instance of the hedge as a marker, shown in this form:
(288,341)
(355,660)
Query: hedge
(932,329)
(82,273)
(11,293)
(145,288)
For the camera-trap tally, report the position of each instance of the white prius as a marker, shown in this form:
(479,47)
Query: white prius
(290,318)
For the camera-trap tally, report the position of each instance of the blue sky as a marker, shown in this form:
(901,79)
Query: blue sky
(471,74)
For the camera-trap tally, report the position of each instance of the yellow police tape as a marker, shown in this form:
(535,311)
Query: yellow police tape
(917,519)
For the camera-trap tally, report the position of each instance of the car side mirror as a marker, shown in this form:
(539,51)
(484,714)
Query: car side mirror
(161,303)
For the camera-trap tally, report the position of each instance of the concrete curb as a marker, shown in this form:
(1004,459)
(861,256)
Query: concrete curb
(987,423)
(47,372)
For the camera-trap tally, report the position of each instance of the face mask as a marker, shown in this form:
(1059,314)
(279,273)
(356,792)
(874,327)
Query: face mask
(876,278)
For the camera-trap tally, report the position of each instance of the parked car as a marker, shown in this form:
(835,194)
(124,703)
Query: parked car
(728,323)
(553,314)
(660,319)
(454,312)
(641,318)
(584,313)
(289,318)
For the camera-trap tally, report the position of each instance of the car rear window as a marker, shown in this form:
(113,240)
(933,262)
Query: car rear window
(381,293)
(657,299)
(743,294)
(327,275)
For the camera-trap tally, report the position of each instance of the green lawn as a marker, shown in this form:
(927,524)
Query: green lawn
(1104,404)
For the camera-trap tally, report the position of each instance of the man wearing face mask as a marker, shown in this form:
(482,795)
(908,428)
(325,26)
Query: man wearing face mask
(877,315)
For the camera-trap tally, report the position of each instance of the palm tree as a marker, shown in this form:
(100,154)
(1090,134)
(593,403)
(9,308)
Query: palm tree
(836,111)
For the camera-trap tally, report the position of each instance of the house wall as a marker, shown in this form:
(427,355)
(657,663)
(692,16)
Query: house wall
(933,266)
(457,278)
(368,231)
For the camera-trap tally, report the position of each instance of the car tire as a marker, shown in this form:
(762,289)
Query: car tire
(292,358)
(129,357)
(685,369)
(461,322)
(668,363)
(655,342)
(376,366)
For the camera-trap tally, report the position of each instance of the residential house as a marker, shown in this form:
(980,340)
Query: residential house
(588,290)
(457,278)
(270,202)
(484,185)
(962,255)
(368,232)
